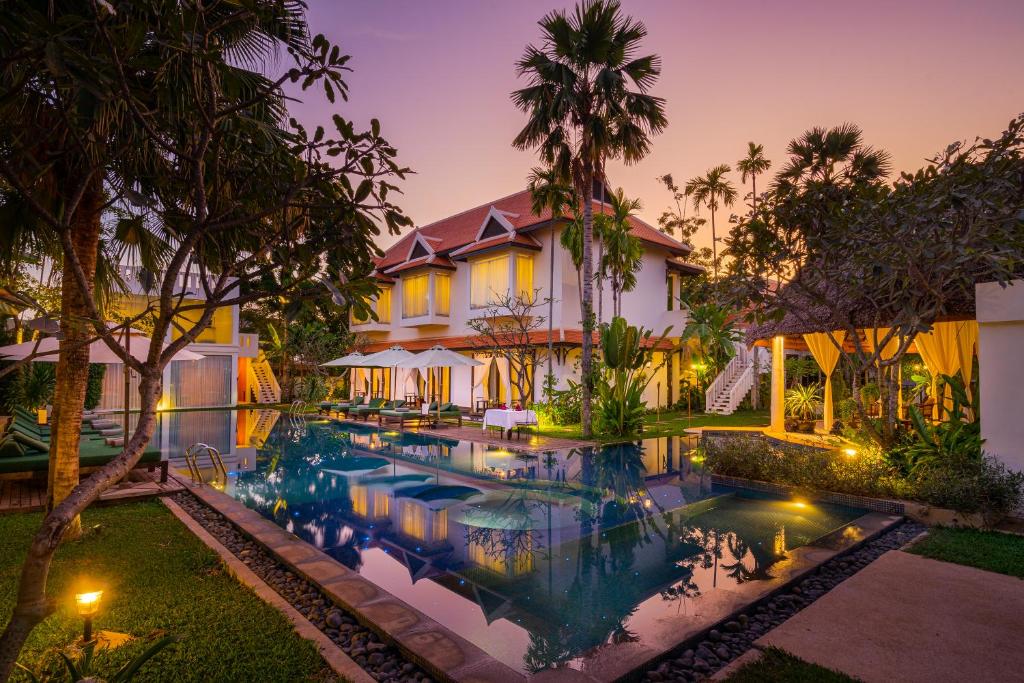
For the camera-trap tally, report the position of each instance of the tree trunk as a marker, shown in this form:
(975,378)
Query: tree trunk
(600,283)
(549,380)
(714,244)
(587,304)
(32,605)
(73,361)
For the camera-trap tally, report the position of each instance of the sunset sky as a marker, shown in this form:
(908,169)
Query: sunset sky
(914,75)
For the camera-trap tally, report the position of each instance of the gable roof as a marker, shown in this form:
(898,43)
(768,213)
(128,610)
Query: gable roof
(464,228)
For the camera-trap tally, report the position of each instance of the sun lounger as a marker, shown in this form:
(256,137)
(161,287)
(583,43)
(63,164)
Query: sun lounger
(370,408)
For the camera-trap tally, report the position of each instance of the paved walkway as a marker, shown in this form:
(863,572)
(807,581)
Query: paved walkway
(910,618)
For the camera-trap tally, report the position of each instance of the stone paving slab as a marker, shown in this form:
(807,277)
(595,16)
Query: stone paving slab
(912,619)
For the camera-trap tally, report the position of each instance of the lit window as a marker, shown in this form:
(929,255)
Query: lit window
(384,305)
(524,276)
(414,521)
(488,281)
(414,295)
(439,526)
(442,293)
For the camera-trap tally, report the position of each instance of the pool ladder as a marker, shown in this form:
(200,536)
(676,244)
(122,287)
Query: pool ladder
(192,454)
(297,409)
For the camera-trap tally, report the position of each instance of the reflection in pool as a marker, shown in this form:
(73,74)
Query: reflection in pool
(539,559)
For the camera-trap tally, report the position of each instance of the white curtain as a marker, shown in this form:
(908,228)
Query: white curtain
(479,375)
(487,277)
(503,373)
(414,295)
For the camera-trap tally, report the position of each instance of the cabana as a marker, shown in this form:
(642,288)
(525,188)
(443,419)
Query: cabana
(946,349)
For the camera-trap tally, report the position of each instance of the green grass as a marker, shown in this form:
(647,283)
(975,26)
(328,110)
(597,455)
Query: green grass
(671,423)
(778,666)
(990,550)
(157,578)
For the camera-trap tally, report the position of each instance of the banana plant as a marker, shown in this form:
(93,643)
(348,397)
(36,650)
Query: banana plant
(624,377)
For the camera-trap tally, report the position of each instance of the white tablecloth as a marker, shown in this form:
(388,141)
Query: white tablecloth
(508,419)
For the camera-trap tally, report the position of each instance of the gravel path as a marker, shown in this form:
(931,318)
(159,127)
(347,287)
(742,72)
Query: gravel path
(381,660)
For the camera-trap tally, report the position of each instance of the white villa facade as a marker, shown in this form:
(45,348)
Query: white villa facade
(438,278)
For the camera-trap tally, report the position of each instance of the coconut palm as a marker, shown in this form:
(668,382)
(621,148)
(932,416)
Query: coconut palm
(753,165)
(587,101)
(712,190)
(623,251)
(549,191)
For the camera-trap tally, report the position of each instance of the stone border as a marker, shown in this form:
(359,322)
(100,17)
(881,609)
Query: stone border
(425,642)
(341,663)
(889,507)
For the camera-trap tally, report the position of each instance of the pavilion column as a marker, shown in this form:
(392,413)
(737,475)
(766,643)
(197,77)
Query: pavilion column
(778,396)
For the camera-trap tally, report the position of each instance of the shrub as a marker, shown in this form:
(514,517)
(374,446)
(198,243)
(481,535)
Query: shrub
(311,389)
(94,389)
(984,486)
(564,406)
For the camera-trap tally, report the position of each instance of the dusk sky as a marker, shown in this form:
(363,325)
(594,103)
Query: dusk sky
(914,75)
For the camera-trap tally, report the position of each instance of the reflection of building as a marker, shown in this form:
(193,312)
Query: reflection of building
(233,370)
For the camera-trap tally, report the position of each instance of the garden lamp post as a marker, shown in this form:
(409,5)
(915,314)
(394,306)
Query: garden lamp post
(88,604)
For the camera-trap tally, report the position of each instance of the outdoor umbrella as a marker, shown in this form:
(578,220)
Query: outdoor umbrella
(438,357)
(389,358)
(136,343)
(352,360)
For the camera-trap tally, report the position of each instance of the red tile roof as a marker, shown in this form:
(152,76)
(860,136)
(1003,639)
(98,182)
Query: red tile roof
(457,231)
(512,239)
(431,261)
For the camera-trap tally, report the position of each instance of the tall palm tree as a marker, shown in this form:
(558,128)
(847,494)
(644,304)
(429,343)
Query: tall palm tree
(754,164)
(587,101)
(623,251)
(712,190)
(832,156)
(549,191)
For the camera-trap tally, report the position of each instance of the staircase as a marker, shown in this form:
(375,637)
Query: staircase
(732,385)
(261,376)
(265,421)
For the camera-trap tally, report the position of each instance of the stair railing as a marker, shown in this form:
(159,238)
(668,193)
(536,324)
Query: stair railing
(729,373)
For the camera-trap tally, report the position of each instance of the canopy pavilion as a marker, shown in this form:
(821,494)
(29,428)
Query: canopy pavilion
(946,349)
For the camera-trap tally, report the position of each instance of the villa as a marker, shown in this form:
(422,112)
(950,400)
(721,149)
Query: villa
(439,277)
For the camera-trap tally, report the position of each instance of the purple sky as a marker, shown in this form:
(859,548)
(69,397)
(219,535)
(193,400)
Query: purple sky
(914,75)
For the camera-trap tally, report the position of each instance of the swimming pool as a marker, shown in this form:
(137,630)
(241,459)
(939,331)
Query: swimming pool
(542,560)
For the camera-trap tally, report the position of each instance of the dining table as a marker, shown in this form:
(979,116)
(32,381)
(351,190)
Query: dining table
(508,419)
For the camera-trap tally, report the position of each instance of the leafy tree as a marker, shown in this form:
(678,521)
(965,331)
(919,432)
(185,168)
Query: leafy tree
(712,190)
(249,204)
(587,101)
(713,328)
(623,251)
(506,329)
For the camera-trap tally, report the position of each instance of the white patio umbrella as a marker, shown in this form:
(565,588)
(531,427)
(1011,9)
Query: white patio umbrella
(352,360)
(438,357)
(388,358)
(136,344)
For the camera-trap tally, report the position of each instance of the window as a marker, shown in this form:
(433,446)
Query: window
(442,293)
(524,276)
(439,526)
(414,521)
(670,281)
(414,295)
(488,280)
(384,305)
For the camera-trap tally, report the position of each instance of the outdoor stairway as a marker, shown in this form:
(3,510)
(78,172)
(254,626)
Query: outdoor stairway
(261,375)
(734,383)
(264,423)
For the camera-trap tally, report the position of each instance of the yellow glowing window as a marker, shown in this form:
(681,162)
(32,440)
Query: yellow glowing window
(414,521)
(488,280)
(414,295)
(381,505)
(360,497)
(219,331)
(439,526)
(442,293)
(383,306)
(524,276)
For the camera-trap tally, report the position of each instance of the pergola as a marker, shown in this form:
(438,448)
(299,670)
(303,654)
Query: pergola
(946,349)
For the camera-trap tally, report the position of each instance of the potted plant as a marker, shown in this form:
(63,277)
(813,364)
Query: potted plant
(803,403)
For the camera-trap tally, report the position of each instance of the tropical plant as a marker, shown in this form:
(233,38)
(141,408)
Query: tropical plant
(587,101)
(623,251)
(550,192)
(625,376)
(86,666)
(32,387)
(752,165)
(94,388)
(956,439)
(712,190)
(713,328)
(563,405)
(804,402)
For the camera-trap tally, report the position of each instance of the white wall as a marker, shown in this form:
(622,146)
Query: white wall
(1000,315)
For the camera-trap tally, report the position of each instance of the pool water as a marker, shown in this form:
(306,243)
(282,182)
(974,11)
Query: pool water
(541,559)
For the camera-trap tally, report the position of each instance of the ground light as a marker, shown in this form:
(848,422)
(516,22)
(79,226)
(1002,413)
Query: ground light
(850,452)
(88,604)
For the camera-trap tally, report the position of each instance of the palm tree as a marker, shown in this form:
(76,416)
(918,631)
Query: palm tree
(713,328)
(831,157)
(623,251)
(753,165)
(549,191)
(587,101)
(711,189)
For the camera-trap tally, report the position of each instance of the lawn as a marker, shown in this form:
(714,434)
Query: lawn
(158,578)
(671,423)
(990,550)
(778,666)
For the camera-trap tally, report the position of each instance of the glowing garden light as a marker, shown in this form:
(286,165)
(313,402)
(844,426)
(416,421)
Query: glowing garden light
(88,605)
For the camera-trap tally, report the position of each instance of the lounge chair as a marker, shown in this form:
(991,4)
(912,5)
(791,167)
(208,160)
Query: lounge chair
(25,454)
(371,408)
(345,406)
(448,411)
(401,414)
